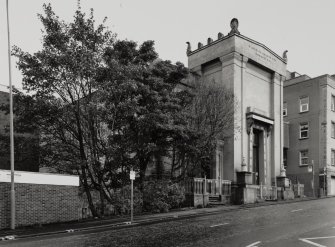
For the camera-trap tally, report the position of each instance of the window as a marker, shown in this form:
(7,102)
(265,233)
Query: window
(304,104)
(332,104)
(304,158)
(303,130)
(333,157)
(285,109)
(332,131)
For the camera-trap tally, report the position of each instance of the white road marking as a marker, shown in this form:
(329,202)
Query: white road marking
(296,210)
(254,244)
(219,225)
(321,237)
(307,240)
(312,243)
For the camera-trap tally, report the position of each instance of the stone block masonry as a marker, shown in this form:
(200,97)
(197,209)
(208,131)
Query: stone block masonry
(40,203)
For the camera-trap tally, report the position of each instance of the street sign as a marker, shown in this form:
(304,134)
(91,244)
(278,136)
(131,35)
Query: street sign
(132,175)
(310,168)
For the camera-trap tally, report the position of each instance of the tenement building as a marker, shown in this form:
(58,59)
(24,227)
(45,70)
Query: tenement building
(309,110)
(256,74)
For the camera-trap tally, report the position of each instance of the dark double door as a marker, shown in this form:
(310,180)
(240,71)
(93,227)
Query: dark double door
(256,155)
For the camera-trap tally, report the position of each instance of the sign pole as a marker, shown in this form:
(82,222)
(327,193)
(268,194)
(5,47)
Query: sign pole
(132,178)
(11,130)
(132,203)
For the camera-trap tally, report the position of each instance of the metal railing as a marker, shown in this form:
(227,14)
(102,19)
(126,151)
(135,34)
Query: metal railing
(267,192)
(298,190)
(207,186)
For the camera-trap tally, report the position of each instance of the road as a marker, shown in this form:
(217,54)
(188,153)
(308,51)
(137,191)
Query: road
(308,223)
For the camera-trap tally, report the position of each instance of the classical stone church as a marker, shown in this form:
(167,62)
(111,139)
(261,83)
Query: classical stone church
(255,74)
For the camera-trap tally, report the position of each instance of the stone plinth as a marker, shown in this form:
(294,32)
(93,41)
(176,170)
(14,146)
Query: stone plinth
(285,193)
(244,194)
(226,199)
(195,200)
(283,182)
(244,178)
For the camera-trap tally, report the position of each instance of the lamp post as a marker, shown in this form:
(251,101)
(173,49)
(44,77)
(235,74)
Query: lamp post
(311,169)
(11,130)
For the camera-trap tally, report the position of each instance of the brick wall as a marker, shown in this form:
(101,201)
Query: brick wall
(39,204)
(306,180)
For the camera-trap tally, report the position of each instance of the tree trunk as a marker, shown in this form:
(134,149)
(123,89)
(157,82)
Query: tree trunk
(143,167)
(84,164)
(88,193)
(102,198)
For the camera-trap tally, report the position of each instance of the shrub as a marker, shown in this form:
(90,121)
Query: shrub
(162,195)
(121,200)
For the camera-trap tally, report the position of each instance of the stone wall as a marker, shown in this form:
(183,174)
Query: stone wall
(39,204)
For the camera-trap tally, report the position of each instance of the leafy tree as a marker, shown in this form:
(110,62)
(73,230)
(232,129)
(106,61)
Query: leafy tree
(210,118)
(142,106)
(61,79)
(102,106)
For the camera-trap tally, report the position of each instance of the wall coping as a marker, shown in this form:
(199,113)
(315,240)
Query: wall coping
(23,177)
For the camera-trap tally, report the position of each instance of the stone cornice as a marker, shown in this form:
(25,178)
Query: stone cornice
(242,37)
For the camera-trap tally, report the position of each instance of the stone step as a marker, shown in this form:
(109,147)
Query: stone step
(216,203)
(214,198)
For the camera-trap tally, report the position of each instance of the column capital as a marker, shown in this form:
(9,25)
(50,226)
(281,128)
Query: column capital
(250,123)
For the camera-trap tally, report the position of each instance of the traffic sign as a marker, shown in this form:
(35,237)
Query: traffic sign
(132,175)
(310,168)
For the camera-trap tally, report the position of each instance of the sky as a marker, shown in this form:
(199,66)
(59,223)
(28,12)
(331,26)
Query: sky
(303,27)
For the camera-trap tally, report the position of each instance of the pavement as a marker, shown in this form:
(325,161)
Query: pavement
(121,222)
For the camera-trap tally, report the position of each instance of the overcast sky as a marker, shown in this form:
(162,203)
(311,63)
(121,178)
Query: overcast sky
(303,27)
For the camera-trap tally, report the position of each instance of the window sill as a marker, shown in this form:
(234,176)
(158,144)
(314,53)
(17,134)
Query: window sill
(303,165)
(303,138)
(303,111)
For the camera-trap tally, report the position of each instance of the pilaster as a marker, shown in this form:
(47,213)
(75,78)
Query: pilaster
(277,136)
(233,70)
